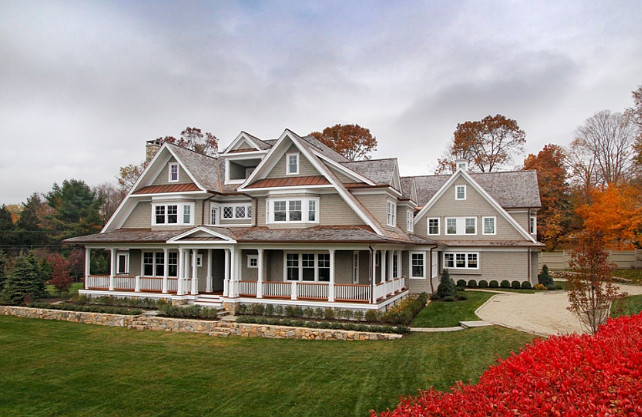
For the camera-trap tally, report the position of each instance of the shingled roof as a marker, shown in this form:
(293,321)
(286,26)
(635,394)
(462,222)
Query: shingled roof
(379,171)
(204,168)
(511,189)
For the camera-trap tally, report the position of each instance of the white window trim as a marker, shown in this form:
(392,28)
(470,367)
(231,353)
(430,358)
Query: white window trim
(438,226)
(532,225)
(454,254)
(300,266)
(233,206)
(249,261)
(305,210)
(142,263)
(494,225)
(391,213)
(214,206)
(199,260)
(179,214)
(460,226)
(423,255)
(169,172)
(457,187)
(126,255)
(410,223)
(287,163)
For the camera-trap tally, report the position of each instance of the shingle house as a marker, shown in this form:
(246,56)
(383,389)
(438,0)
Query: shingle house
(290,221)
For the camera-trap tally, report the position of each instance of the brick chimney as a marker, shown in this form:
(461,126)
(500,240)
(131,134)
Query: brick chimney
(151,147)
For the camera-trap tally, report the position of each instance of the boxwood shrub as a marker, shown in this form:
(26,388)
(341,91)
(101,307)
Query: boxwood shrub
(516,285)
(493,284)
(483,283)
(472,284)
(526,285)
(505,284)
(461,283)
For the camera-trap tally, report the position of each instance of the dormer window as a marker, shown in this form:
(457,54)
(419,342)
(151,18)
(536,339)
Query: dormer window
(173,172)
(292,160)
(460,192)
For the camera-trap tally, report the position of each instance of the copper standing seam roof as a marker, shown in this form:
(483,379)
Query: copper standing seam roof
(168,188)
(289,182)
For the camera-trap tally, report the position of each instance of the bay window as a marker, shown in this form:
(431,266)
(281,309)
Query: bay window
(173,214)
(293,210)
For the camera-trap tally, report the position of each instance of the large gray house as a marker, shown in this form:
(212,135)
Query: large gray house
(290,221)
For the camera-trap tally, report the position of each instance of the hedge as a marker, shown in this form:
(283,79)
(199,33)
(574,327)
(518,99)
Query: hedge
(572,375)
(88,308)
(323,324)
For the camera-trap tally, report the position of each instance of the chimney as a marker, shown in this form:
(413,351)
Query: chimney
(461,164)
(151,147)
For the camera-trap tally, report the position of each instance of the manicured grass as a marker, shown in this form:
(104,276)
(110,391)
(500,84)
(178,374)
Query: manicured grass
(73,290)
(448,314)
(635,275)
(59,368)
(627,306)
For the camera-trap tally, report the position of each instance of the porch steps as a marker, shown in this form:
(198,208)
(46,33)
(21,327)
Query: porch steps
(211,301)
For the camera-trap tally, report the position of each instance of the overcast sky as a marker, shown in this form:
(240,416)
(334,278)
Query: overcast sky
(83,85)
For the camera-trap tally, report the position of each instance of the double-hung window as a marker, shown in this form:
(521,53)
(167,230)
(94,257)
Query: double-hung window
(410,226)
(293,210)
(307,267)
(533,225)
(489,225)
(461,260)
(173,214)
(173,172)
(460,192)
(391,213)
(417,265)
(292,163)
(154,264)
(433,226)
(461,225)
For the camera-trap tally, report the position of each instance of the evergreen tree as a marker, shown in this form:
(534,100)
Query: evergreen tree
(3,266)
(76,209)
(7,228)
(30,231)
(545,278)
(446,286)
(24,282)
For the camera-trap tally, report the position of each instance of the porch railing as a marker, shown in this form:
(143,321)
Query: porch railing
(277,289)
(313,290)
(247,288)
(352,292)
(94,282)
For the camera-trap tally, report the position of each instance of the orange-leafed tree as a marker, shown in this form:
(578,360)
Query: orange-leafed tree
(487,144)
(614,212)
(554,216)
(352,141)
(61,277)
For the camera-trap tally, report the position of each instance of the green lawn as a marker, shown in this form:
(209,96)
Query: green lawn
(58,368)
(627,306)
(634,275)
(73,290)
(448,314)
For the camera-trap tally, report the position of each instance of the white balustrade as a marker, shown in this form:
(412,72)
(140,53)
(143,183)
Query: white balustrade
(352,292)
(172,284)
(124,283)
(151,284)
(277,289)
(312,290)
(97,281)
(187,285)
(379,291)
(247,288)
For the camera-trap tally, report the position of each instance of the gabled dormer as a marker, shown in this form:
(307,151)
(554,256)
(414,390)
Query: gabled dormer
(242,157)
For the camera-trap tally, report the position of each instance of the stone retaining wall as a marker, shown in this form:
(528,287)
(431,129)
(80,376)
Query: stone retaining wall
(213,328)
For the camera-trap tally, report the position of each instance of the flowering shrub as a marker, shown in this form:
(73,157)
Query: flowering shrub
(572,375)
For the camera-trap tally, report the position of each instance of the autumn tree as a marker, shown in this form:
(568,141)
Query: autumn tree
(110,196)
(61,277)
(191,138)
(352,141)
(636,116)
(553,217)
(605,143)
(615,213)
(487,144)
(590,288)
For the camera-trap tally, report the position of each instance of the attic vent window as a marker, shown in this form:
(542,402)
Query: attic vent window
(173,172)
(292,163)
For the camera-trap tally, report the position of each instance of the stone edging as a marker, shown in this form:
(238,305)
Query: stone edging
(213,328)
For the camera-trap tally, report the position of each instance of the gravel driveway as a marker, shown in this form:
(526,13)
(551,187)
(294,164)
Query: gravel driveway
(542,313)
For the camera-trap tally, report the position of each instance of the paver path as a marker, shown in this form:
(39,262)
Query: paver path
(542,313)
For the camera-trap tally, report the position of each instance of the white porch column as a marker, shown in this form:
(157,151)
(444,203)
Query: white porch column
(194,272)
(331,284)
(226,274)
(391,254)
(87,265)
(259,281)
(112,270)
(233,287)
(382,264)
(373,266)
(181,271)
(208,283)
(165,269)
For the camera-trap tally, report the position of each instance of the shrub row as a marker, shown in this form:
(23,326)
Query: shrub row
(494,284)
(88,308)
(144,303)
(191,312)
(323,324)
(569,375)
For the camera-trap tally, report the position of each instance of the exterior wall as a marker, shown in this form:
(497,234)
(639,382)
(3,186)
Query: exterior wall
(418,285)
(498,265)
(275,266)
(305,167)
(163,177)
(343,267)
(249,274)
(140,217)
(522,217)
(473,206)
(342,177)
(377,205)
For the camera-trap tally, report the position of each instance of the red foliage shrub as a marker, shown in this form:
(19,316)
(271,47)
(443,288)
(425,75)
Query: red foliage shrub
(573,375)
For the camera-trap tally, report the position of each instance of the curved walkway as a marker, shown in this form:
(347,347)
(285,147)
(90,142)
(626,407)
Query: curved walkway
(542,313)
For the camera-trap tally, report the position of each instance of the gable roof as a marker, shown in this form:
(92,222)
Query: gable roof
(316,145)
(408,189)
(512,189)
(380,171)
(500,210)
(256,143)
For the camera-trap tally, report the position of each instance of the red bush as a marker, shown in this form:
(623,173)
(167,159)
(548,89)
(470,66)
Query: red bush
(573,375)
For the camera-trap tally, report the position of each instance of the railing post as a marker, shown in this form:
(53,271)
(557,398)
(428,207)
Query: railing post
(293,292)
(137,284)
